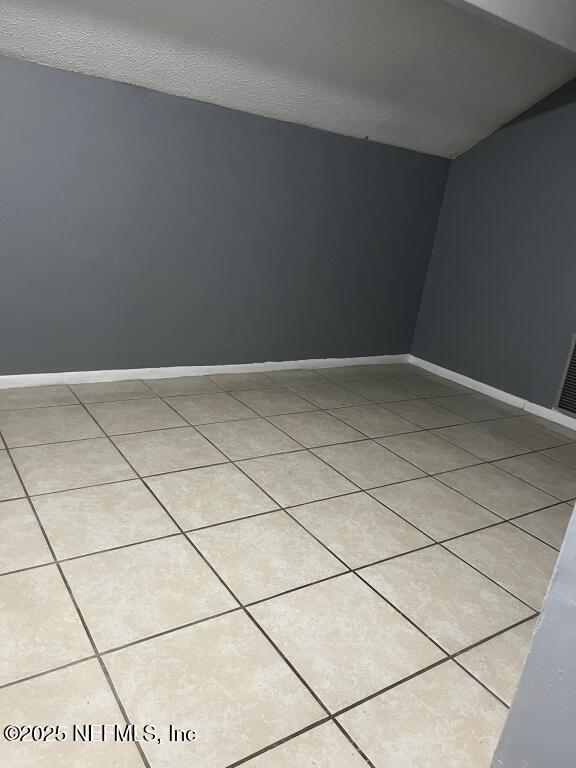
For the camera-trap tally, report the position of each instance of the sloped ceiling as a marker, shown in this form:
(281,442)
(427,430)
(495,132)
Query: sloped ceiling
(428,75)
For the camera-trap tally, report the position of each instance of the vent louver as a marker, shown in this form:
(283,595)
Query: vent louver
(567,397)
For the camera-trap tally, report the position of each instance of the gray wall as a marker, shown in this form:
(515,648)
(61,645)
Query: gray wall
(539,731)
(500,298)
(139,229)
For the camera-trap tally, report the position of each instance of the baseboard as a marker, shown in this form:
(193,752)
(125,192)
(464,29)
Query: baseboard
(498,394)
(91,377)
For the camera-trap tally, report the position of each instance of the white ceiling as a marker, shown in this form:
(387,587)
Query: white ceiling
(424,74)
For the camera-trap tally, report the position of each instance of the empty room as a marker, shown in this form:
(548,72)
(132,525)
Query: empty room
(287,383)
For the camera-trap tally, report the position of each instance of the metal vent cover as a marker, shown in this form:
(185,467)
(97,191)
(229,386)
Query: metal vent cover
(567,396)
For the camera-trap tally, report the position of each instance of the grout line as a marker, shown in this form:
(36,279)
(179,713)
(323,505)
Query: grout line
(82,621)
(387,688)
(414,526)
(169,631)
(502,518)
(47,671)
(352,741)
(279,743)
(489,690)
(496,464)
(331,717)
(487,639)
(143,477)
(242,607)
(278,508)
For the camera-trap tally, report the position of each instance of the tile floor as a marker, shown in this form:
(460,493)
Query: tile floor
(306,568)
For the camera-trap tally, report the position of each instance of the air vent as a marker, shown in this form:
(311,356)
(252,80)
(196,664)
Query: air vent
(567,397)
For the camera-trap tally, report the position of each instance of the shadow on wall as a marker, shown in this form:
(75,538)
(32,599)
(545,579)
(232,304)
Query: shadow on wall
(561,98)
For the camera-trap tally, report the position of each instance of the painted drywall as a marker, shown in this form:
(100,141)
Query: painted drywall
(539,731)
(398,71)
(139,229)
(553,21)
(499,302)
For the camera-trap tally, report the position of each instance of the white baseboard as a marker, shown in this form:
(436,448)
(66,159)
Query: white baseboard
(498,394)
(91,377)
(478,386)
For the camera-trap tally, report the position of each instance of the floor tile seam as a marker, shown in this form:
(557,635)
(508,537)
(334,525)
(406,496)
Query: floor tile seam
(288,510)
(502,518)
(215,572)
(358,490)
(83,622)
(256,623)
(365,437)
(244,609)
(495,463)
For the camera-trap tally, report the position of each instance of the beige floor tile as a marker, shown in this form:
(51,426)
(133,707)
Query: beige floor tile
(168,450)
(565,454)
(368,464)
(34,426)
(498,662)
(479,440)
(223,679)
(344,640)
(425,414)
(234,381)
(92,519)
(358,529)
(207,409)
(248,438)
(428,387)
(182,385)
(454,604)
(127,416)
(548,524)
(63,466)
(560,429)
(379,391)
(76,695)
(296,478)
(526,433)
(273,402)
(511,410)
(209,495)
(10,485)
(510,557)
(22,543)
(328,395)
(456,388)
(134,592)
(35,397)
(406,377)
(346,373)
(316,428)
(375,421)
(437,510)
(294,377)
(265,555)
(545,473)
(322,747)
(429,452)
(40,628)
(500,492)
(440,719)
(393,370)
(111,390)
(471,408)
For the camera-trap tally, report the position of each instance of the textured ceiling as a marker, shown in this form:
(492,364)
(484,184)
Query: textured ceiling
(423,74)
